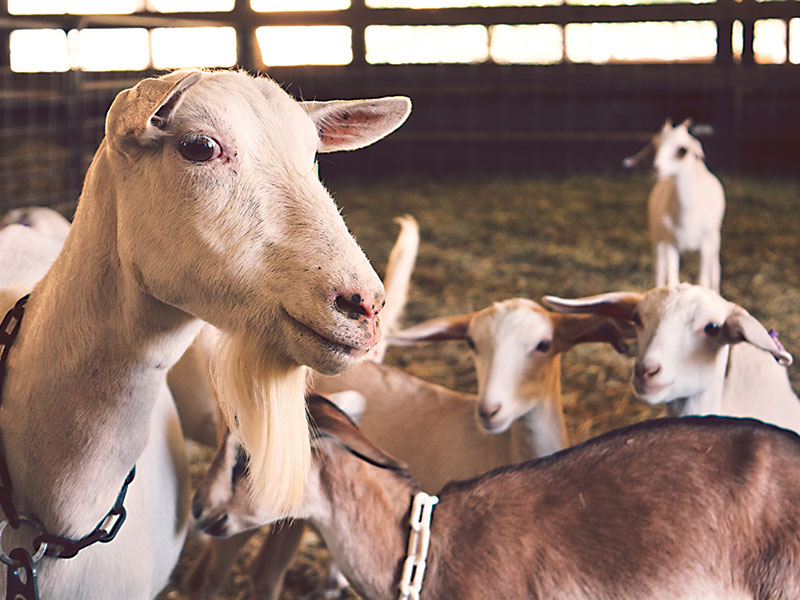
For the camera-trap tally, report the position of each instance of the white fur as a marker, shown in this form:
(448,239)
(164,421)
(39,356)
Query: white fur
(249,241)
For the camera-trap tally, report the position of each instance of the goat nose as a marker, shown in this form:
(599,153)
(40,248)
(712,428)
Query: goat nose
(647,371)
(487,412)
(359,305)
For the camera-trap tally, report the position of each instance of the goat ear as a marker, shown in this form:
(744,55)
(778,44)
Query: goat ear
(570,330)
(741,326)
(140,112)
(686,123)
(613,304)
(434,330)
(351,402)
(352,124)
(643,156)
(329,420)
(667,125)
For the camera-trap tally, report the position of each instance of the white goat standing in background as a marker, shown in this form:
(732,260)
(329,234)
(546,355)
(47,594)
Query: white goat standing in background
(685,334)
(202,202)
(685,207)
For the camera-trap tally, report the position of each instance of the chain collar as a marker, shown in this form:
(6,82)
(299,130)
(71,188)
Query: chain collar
(418,541)
(46,544)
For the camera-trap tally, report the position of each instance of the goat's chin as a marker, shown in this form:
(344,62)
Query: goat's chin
(496,426)
(325,352)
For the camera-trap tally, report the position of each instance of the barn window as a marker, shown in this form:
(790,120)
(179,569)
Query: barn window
(167,6)
(687,41)
(76,7)
(769,41)
(526,44)
(455,3)
(298,5)
(305,45)
(35,50)
(426,44)
(794,41)
(193,47)
(88,49)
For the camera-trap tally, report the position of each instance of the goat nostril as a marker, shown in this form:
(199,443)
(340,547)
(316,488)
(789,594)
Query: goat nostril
(647,371)
(487,412)
(356,306)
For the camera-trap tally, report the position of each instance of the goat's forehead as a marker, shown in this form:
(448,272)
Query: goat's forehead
(248,105)
(508,321)
(682,305)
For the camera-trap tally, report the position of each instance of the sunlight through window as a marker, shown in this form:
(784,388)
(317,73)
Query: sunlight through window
(794,41)
(36,50)
(526,44)
(641,42)
(167,6)
(455,3)
(76,7)
(109,49)
(769,41)
(294,5)
(313,45)
(426,44)
(737,40)
(193,47)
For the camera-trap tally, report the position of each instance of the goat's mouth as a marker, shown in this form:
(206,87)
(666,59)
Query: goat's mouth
(651,392)
(337,347)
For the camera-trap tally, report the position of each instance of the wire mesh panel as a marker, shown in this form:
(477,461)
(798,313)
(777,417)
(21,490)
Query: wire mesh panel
(518,87)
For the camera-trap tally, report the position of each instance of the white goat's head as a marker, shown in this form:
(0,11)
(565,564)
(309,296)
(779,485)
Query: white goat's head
(669,150)
(684,333)
(675,149)
(217,171)
(223,504)
(220,213)
(516,345)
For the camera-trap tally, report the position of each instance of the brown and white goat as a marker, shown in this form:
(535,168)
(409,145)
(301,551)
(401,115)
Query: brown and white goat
(697,507)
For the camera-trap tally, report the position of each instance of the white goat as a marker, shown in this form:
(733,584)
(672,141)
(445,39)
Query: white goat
(41,218)
(685,335)
(685,207)
(202,202)
(436,431)
(702,507)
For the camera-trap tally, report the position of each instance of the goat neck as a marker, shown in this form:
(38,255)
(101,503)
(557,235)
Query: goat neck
(365,525)
(96,427)
(542,428)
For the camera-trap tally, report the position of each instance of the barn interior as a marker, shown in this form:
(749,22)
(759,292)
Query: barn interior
(511,160)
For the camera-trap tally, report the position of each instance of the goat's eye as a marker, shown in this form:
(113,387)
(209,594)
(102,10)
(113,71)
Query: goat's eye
(681,152)
(470,343)
(543,346)
(637,319)
(199,148)
(711,329)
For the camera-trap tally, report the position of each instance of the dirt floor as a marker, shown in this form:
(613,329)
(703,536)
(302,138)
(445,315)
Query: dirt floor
(491,239)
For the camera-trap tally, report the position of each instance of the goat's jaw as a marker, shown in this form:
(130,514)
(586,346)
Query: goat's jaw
(329,352)
(653,393)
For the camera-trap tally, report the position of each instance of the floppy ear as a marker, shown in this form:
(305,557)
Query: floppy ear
(643,156)
(613,304)
(434,330)
(741,326)
(352,124)
(140,113)
(330,421)
(570,330)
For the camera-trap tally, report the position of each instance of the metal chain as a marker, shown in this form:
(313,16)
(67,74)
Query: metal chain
(56,546)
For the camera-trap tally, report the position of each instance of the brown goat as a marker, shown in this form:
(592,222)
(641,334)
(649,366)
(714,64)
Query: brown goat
(696,507)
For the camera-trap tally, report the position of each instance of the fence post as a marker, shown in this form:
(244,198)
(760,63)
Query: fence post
(245,35)
(358,25)
(5,38)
